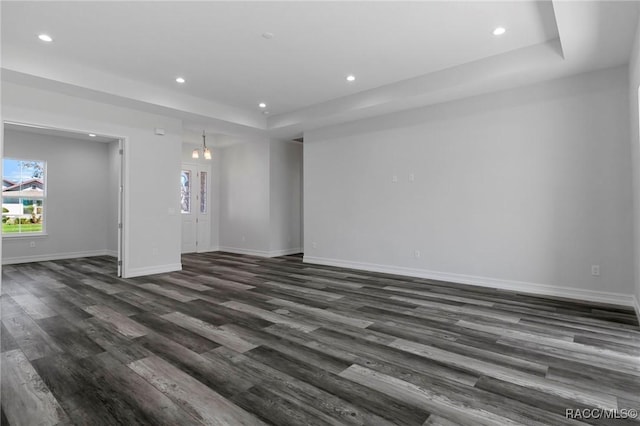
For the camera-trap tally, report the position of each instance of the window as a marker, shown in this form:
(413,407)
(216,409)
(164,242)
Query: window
(23,196)
(185,191)
(203,192)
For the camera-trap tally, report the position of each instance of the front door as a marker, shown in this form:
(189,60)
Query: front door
(194,207)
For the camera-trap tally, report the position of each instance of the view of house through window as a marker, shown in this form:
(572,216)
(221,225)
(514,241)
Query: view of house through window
(23,196)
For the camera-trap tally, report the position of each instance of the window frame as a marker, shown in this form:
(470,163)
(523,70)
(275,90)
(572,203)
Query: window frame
(43,232)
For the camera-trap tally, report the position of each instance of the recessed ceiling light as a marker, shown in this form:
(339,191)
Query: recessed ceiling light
(267,35)
(45,37)
(180,80)
(499,31)
(351,78)
(92,135)
(262,105)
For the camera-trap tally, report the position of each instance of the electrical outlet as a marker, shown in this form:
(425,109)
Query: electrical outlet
(32,244)
(412,177)
(595,270)
(394,179)
(416,254)
(244,238)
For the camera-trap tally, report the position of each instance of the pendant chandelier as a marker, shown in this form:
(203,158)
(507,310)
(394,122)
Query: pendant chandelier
(206,152)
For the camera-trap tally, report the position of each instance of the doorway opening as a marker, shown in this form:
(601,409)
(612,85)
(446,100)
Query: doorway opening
(62,194)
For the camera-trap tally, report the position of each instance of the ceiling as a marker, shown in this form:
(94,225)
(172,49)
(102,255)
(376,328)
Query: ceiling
(403,54)
(65,134)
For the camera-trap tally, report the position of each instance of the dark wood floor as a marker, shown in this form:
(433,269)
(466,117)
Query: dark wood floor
(236,340)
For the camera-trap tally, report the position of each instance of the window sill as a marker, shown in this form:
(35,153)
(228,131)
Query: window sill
(25,235)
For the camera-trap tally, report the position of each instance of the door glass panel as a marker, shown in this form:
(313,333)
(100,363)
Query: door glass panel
(185,191)
(203,192)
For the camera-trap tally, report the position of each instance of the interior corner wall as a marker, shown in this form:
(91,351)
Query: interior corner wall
(285,197)
(522,189)
(244,197)
(76,209)
(152,166)
(634,88)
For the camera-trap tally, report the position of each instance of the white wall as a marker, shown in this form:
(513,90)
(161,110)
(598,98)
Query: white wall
(634,87)
(521,189)
(152,215)
(76,208)
(244,197)
(260,197)
(285,181)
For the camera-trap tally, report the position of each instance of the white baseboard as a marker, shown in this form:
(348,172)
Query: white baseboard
(208,250)
(261,253)
(250,252)
(517,286)
(112,253)
(285,252)
(152,270)
(54,256)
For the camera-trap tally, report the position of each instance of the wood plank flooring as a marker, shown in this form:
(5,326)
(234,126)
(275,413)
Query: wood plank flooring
(240,340)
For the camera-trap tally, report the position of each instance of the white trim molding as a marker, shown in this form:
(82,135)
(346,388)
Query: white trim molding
(516,286)
(56,256)
(207,250)
(636,305)
(261,253)
(152,270)
(285,252)
(250,252)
